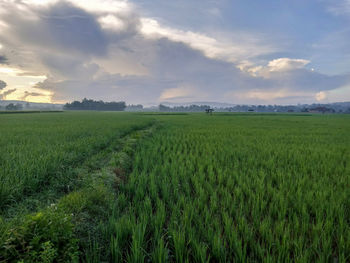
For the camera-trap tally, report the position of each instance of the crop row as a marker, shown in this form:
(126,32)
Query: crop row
(237,189)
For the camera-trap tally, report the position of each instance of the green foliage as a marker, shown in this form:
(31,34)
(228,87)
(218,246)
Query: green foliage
(47,236)
(232,188)
(88,208)
(70,158)
(39,151)
(220,188)
(86,104)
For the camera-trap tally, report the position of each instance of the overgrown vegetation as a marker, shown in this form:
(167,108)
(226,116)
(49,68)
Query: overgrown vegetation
(46,236)
(220,188)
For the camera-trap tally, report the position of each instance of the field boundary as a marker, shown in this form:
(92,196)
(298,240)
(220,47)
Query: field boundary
(33,111)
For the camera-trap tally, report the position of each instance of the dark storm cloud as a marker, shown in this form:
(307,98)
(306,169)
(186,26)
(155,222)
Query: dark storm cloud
(3,59)
(58,39)
(2,84)
(62,26)
(72,28)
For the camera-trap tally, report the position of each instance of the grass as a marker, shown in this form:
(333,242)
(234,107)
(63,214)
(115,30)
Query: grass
(220,188)
(39,151)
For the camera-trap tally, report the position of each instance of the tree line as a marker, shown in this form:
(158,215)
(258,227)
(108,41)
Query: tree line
(87,104)
(12,107)
(190,108)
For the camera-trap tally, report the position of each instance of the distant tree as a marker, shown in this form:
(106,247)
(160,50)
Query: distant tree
(190,108)
(19,106)
(132,107)
(87,104)
(12,106)
(164,108)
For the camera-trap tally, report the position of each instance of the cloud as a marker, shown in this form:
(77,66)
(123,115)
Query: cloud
(31,94)
(321,96)
(108,50)
(6,93)
(275,65)
(286,64)
(339,94)
(52,35)
(3,60)
(340,7)
(243,47)
(182,93)
(3,84)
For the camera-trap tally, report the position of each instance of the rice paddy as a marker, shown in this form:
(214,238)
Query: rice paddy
(175,188)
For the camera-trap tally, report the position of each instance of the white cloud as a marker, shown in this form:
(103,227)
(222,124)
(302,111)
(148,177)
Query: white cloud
(10,71)
(285,64)
(39,2)
(19,73)
(245,46)
(105,6)
(274,66)
(96,6)
(321,96)
(112,22)
(182,93)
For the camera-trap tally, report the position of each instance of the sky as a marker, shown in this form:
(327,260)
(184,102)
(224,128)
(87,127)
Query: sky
(153,51)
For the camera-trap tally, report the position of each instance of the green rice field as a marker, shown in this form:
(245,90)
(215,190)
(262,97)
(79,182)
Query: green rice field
(146,187)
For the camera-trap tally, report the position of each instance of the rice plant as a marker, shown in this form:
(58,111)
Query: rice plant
(219,188)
